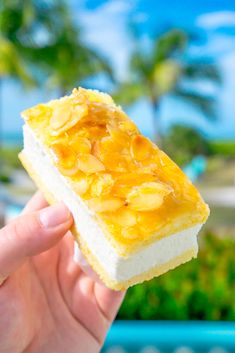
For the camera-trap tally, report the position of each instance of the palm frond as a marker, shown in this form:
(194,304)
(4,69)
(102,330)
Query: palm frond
(12,63)
(171,43)
(204,103)
(128,93)
(99,63)
(200,70)
(141,65)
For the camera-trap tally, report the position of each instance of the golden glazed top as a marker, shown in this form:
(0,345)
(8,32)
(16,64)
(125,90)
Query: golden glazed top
(136,191)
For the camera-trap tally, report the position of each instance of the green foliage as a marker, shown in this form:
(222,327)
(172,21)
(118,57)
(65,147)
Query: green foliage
(9,157)
(49,43)
(9,161)
(4,178)
(12,64)
(204,103)
(170,44)
(128,93)
(182,143)
(167,69)
(222,148)
(203,289)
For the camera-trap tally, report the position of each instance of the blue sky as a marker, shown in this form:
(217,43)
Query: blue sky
(105,27)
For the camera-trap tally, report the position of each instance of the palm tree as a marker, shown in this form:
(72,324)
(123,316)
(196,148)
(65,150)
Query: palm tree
(165,70)
(40,43)
(66,61)
(12,61)
(52,44)
(12,65)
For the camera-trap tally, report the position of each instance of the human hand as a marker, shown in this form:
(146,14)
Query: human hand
(47,303)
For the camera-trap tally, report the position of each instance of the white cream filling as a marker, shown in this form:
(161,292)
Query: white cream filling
(118,268)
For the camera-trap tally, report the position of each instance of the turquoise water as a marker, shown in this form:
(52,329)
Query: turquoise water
(12,138)
(170,336)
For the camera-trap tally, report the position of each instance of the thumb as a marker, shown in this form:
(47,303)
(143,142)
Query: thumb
(31,234)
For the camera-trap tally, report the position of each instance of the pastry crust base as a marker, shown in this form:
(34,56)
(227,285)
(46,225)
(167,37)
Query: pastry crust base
(95,264)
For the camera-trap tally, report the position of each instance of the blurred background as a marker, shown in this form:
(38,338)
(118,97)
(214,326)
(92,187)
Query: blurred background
(171,65)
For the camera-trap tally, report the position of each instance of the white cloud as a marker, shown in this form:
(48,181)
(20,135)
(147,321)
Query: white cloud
(214,20)
(105,28)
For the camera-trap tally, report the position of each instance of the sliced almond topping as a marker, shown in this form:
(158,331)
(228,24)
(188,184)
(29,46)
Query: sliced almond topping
(64,117)
(128,126)
(96,133)
(141,148)
(124,217)
(80,144)
(117,135)
(95,96)
(108,204)
(80,186)
(110,155)
(70,172)
(131,179)
(65,159)
(40,111)
(118,172)
(124,183)
(151,221)
(89,164)
(121,190)
(95,150)
(102,185)
(148,196)
(130,233)
(63,155)
(106,146)
(60,116)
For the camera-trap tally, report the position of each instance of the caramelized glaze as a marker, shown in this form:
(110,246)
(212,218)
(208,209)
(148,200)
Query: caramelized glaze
(134,188)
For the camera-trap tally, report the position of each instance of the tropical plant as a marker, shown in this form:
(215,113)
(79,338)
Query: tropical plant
(12,65)
(52,43)
(223,148)
(166,69)
(39,39)
(67,61)
(182,143)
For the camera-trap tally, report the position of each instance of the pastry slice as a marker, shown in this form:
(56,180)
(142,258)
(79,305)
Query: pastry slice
(136,214)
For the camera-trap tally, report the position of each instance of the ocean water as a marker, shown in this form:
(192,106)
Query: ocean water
(12,138)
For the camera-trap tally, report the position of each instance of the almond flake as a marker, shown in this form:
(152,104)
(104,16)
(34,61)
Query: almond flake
(63,155)
(65,117)
(124,217)
(148,196)
(141,148)
(102,185)
(108,204)
(80,144)
(131,233)
(117,135)
(89,164)
(128,126)
(80,186)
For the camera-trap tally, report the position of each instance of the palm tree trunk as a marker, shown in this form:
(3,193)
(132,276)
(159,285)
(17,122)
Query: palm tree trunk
(156,121)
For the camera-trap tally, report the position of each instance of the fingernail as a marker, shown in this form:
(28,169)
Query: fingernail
(54,215)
